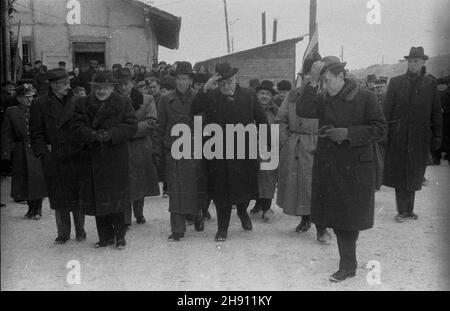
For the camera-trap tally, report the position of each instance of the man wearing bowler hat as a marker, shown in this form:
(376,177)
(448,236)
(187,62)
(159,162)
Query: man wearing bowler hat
(186,177)
(234,181)
(104,122)
(53,142)
(413,111)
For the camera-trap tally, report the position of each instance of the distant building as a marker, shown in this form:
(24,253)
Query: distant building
(274,61)
(109,31)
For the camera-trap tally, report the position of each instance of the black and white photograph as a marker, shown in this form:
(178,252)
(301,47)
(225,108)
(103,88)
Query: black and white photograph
(206,147)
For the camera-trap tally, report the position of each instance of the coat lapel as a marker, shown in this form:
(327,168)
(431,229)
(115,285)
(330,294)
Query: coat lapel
(66,113)
(54,107)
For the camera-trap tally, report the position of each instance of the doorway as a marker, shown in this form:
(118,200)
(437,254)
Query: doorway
(83,52)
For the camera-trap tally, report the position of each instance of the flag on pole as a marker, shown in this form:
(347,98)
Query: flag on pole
(313,45)
(18,66)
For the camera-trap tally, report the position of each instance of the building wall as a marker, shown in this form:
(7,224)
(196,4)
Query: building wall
(118,23)
(273,62)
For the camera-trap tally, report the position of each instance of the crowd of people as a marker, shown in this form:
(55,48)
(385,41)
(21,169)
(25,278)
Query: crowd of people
(96,142)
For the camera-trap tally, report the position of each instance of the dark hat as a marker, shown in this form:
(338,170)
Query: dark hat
(6,83)
(25,90)
(330,62)
(62,63)
(123,74)
(416,52)
(184,68)
(225,71)
(116,66)
(284,85)
(201,77)
(28,64)
(162,63)
(103,78)
(38,62)
(25,81)
(266,85)
(56,74)
(441,81)
(371,78)
(168,82)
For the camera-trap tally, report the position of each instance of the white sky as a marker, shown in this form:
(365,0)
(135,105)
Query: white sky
(404,23)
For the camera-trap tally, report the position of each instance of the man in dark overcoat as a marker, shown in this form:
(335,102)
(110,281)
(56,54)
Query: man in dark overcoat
(53,142)
(186,178)
(413,112)
(104,122)
(343,178)
(143,173)
(234,180)
(27,177)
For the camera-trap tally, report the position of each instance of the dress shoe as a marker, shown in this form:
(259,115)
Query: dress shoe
(37,217)
(105,243)
(221,236)
(206,215)
(140,220)
(341,275)
(256,209)
(121,244)
(176,236)
(303,226)
(199,225)
(246,222)
(267,215)
(324,237)
(61,240)
(81,236)
(402,217)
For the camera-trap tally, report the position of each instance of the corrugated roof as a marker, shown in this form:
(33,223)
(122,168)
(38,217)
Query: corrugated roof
(166,26)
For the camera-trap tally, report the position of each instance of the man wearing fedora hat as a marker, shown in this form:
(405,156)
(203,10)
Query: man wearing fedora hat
(267,179)
(186,178)
(413,111)
(53,142)
(234,181)
(343,175)
(27,177)
(104,122)
(283,88)
(143,174)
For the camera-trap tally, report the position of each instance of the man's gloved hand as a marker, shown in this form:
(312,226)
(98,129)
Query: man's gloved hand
(101,136)
(316,68)
(338,134)
(436,143)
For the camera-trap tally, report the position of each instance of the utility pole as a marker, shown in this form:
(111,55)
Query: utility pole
(312,17)
(6,42)
(263,17)
(226,25)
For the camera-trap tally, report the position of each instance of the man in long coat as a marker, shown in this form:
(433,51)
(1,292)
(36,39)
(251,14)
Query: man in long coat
(235,181)
(27,177)
(343,180)
(267,179)
(186,178)
(53,142)
(298,123)
(104,122)
(143,174)
(413,111)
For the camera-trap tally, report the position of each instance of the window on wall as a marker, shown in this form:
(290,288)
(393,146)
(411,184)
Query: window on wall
(26,50)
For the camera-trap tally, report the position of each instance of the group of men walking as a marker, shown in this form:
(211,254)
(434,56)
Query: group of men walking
(100,152)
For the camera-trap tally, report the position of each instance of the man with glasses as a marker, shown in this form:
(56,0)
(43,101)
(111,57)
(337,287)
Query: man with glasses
(53,142)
